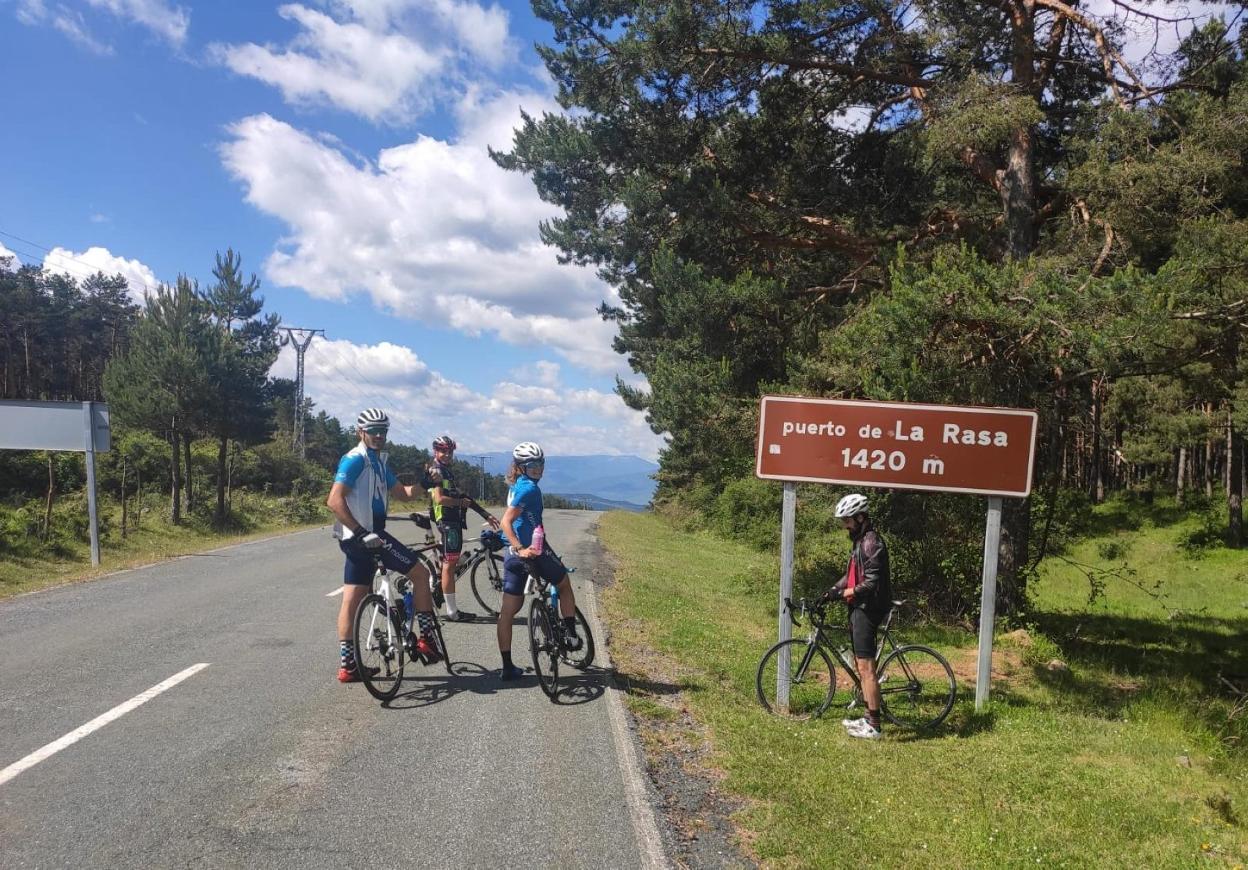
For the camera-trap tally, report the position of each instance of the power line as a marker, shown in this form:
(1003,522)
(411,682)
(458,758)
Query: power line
(92,270)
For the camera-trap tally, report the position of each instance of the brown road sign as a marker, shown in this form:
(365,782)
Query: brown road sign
(948,448)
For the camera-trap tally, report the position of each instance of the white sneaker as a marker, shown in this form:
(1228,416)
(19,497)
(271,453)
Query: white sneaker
(854,723)
(865,731)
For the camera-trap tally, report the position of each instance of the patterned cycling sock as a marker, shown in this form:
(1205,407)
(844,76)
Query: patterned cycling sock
(346,653)
(451,609)
(425,620)
(873,719)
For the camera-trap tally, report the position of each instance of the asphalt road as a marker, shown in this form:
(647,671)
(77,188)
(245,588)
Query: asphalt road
(261,758)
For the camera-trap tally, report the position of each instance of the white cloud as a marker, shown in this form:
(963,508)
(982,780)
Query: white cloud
(168,22)
(12,260)
(431,229)
(382,60)
(343,378)
(72,26)
(139,276)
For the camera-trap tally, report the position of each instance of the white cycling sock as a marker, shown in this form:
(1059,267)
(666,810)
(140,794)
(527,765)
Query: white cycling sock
(451,609)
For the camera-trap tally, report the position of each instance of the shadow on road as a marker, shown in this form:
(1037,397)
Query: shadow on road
(432,686)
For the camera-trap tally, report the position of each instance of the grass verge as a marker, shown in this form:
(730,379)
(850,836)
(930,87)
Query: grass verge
(1130,758)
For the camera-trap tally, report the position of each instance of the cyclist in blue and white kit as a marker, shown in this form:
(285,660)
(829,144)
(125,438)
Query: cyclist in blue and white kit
(359,500)
(523,515)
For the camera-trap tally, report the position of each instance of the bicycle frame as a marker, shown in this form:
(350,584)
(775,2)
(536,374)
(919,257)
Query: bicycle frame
(816,637)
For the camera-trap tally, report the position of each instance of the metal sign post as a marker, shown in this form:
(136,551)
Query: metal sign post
(88,413)
(788,519)
(988,602)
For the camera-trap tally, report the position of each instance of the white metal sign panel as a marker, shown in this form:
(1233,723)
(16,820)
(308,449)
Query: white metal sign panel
(53,426)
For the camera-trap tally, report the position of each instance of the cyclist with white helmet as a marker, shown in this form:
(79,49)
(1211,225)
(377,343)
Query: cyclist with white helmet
(448,513)
(359,499)
(522,517)
(866,590)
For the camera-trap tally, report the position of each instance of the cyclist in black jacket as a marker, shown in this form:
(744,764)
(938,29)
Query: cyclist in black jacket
(865,588)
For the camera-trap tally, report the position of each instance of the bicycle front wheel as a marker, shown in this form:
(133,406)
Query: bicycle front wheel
(545,648)
(583,657)
(487,582)
(812,679)
(378,634)
(917,687)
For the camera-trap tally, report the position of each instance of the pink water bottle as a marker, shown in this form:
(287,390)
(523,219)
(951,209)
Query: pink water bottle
(539,538)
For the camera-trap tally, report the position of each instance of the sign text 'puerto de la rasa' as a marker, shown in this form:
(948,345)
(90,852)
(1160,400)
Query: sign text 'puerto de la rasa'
(944,448)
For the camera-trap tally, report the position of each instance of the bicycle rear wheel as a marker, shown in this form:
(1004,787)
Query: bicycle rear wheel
(545,648)
(378,635)
(812,680)
(917,687)
(487,582)
(583,657)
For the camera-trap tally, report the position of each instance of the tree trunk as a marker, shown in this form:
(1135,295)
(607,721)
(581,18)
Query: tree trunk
(47,511)
(1096,488)
(1235,494)
(190,474)
(138,498)
(1209,470)
(1180,477)
(175,461)
(124,515)
(1012,556)
(229,483)
(222,448)
(1018,182)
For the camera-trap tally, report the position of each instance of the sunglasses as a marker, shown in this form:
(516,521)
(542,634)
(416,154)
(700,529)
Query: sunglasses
(375,432)
(540,463)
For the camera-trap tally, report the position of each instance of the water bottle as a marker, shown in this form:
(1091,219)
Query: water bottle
(539,538)
(408,612)
(554,596)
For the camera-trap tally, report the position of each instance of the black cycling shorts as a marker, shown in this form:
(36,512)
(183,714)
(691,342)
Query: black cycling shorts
(862,630)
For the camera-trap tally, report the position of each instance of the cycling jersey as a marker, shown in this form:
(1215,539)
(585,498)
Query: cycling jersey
(524,494)
(368,480)
(450,516)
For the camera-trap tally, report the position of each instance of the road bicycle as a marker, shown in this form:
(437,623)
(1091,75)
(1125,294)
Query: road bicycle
(917,686)
(547,636)
(385,629)
(485,567)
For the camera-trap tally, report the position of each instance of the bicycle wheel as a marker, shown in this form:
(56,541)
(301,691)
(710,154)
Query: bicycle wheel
(812,680)
(378,634)
(583,657)
(487,582)
(545,648)
(917,688)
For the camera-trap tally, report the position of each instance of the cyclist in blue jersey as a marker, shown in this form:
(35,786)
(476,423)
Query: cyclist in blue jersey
(359,499)
(449,506)
(522,517)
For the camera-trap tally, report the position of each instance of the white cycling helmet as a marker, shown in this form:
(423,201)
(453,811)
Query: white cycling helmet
(851,505)
(526,452)
(372,418)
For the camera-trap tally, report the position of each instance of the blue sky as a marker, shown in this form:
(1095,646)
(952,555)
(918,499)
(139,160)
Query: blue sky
(340,147)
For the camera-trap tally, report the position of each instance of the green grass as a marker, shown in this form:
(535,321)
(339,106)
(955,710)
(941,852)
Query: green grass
(1127,760)
(155,540)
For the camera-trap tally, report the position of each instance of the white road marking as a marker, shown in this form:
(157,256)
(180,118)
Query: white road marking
(337,591)
(640,811)
(95,724)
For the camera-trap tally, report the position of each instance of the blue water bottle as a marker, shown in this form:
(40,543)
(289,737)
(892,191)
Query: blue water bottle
(554,596)
(408,613)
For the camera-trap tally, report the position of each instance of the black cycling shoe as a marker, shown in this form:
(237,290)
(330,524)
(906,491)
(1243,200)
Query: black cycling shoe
(462,616)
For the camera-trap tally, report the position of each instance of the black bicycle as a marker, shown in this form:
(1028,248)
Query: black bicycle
(917,686)
(485,567)
(547,636)
(385,629)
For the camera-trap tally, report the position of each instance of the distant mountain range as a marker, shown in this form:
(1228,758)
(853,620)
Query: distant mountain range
(605,482)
